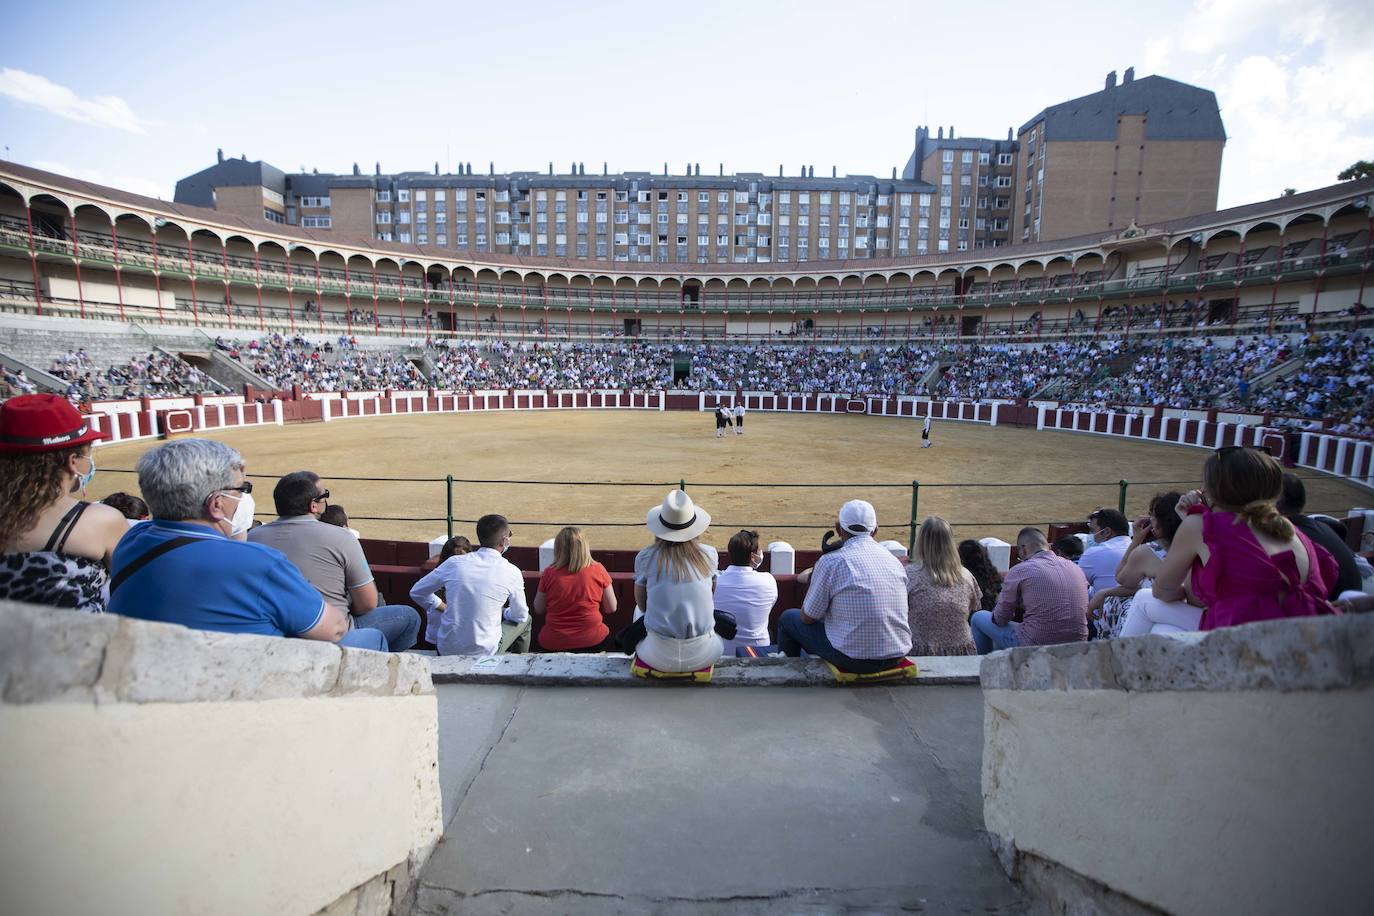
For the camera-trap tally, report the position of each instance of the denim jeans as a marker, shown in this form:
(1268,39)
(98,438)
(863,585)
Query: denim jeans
(364,639)
(399,623)
(988,636)
(796,635)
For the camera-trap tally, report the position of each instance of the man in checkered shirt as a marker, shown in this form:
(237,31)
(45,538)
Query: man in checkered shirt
(855,613)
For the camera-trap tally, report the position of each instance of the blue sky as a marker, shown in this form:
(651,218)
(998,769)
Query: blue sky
(139,94)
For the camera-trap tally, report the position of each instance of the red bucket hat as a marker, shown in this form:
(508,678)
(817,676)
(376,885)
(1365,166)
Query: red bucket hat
(33,423)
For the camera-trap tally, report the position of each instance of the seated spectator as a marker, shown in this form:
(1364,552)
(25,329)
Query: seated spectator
(576,594)
(56,548)
(1318,531)
(855,612)
(1110,534)
(185,566)
(332,560)
(455,546)
(337,516)
(1044,601)
(745,593)
(1234,559)
(1069,547)
(974,557)
(1139,565)
(941,595)
(484,609)
(674,580)
(131,507)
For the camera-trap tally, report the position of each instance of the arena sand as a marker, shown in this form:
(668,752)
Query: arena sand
(643,452)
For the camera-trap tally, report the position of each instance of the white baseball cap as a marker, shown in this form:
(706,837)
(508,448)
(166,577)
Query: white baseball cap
(858,517)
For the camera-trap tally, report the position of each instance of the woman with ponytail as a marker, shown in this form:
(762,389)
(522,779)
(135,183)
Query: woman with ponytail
(1234,559)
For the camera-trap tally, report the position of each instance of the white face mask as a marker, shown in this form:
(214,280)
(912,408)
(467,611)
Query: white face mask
(243,515)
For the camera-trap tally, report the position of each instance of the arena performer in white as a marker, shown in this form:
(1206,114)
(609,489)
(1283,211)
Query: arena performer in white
(925,433)
(739,419)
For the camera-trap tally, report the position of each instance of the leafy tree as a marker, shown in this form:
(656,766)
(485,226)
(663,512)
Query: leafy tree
(1289,192)
(1362,169)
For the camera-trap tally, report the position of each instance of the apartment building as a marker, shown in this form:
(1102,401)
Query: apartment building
(974,177)
(1141,151)
(1147,150)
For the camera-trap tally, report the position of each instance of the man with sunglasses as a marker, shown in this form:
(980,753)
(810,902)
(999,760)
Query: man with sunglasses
(186,567)
(332,560)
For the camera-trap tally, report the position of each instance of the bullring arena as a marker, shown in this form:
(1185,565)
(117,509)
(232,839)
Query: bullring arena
(624,459)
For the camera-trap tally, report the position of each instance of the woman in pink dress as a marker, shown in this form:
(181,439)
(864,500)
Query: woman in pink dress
(1235,559)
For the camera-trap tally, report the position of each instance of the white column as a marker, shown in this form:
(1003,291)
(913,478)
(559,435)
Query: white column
(999,552)
(1040,416)
(993,420)
(1201,432)
(1111,423)
(1341,448)
(1362,467)
(782,558)
(220,408)
(276,412)
(546,555)
(133,425)
(436,545)
(326,409)
(200,416)
(1323,444)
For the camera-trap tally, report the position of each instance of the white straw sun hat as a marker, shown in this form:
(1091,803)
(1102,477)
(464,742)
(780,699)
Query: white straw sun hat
(678,519)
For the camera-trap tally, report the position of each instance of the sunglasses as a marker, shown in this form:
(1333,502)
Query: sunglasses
(1228,449)
(320,496)
(245,487)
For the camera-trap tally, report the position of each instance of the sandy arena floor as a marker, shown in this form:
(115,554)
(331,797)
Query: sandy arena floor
(657,448)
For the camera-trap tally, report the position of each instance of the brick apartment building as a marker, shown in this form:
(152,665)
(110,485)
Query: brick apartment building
(1144,150)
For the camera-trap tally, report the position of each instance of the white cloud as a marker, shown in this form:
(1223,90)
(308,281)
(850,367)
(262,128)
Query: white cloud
(1292,79)
(133,184)
(41,92)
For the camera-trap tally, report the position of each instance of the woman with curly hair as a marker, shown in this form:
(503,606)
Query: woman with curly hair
(54,548)
(974,557)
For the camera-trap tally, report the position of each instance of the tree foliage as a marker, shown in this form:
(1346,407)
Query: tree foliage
(1362,169)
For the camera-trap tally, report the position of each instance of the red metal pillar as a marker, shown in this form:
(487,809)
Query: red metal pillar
(257,282)
(157,274)
(76,259)
(228,301)
(290,299)
(1278,277)
(33,261)
(1321,269)
(376,307)
(191,269)
(119,281)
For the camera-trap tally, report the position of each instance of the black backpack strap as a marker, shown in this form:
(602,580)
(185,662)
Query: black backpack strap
(64,528)
(148,557)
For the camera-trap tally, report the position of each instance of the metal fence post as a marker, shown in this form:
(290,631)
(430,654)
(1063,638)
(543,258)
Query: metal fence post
(1121,498)
(915,499)
(450,505)
(682,484)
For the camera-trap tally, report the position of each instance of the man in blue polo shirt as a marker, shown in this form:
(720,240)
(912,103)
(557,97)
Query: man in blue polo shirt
(188,565)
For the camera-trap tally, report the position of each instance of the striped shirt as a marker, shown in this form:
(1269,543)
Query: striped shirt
(859,591)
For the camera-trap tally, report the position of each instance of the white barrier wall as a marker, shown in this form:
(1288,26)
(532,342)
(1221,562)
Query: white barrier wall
(1225,772)
(147,768)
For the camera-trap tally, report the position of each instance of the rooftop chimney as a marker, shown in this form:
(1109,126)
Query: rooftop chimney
(356,170)
(779,170)
(436,167)
(219,154)
(665,170)
(939,133)
(722,169)
(491,168)
(951,131)
(1111,80)
(604,169)
(811,172)
(832,172)
(550,166)
(1128,75)
(698,169)
(894,173)
(1008,133)
(379,167)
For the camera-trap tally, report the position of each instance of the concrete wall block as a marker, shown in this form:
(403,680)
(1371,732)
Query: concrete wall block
(412,675)
(1313,653)
(51,655)
(361,671)
(151,663)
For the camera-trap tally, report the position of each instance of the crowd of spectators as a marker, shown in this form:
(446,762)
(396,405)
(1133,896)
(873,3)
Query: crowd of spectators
(1334,381)
(154,375)
(286,361)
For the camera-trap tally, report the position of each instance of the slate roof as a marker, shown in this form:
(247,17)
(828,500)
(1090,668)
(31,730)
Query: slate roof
(1176,111)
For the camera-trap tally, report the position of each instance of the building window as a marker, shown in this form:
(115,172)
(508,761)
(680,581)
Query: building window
(315,222)
(1003,181)
(314,201)
(403,195)
(384,217)
(272,216)
(984,158)
(1005,158)
(967,158)
(383,197)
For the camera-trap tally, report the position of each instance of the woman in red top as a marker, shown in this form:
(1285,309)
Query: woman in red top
(576,594)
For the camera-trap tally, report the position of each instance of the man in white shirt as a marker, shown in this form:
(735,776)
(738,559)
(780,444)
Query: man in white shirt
(1111,535)
(477,587)
(739,419)
(746,593)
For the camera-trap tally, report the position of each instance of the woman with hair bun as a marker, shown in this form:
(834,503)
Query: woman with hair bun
(1234,559)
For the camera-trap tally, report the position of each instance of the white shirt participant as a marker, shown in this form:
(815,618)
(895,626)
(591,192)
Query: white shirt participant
(749,595)
(476,587)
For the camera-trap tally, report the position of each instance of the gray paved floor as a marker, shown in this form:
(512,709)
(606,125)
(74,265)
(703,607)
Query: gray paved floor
(767,800)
